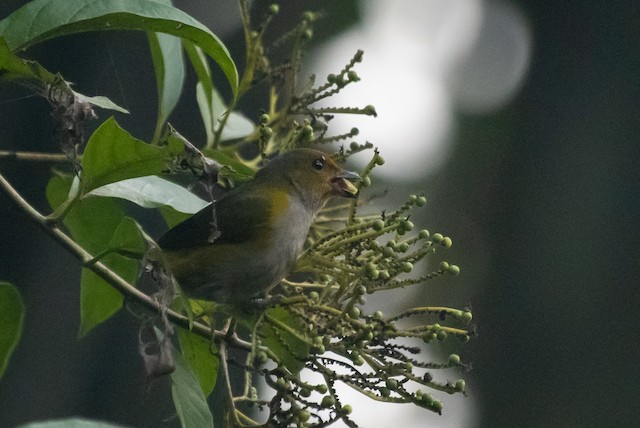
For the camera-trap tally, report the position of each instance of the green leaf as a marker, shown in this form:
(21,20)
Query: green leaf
(112,154)
(198,354)
(129,239)
(204,89)
(11,320)
(211,105)
(14,68)
(95,223)
(41,20)
(290,348)
(166,52)
(70,423)
(172,217)
(100,101)
(235,164)
(191,404)
(152,192)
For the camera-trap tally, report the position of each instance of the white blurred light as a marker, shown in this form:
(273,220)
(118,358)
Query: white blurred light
(423,58)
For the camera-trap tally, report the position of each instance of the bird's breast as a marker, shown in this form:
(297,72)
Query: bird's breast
(290,229)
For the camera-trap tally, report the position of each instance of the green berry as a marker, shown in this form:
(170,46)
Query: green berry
(460,385)
(347,409)
(377,315)
(454,359)
(424,234)
(328,401)
(444,266)
(385,392)
(264,118)
(421,201)
(354,313)
(332,78)
(384,274)
(314,296)
(453,270)
(467,317)
(303,415)
(407,225)
(406,267)
(441,335)
(358,361)
(353,76)
(403,248)
(266,132)
(321,388)
(437,238)
(260,358)
(391,383)
(274,9)
(305,392)
(387,251)
(436,405)
(446,242)
(371,111)
(378,225)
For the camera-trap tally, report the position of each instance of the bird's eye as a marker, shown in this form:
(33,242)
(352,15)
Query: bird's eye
(318,163)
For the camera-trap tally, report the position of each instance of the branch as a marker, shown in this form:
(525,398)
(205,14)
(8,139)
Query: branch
(33,156)
(108,275)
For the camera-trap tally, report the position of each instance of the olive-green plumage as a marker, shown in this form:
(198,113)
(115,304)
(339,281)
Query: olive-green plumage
(258,229)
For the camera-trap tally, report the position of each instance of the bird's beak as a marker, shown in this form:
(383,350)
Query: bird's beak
(343,186)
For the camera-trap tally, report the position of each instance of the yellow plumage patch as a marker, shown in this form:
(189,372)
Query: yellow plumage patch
(279,204)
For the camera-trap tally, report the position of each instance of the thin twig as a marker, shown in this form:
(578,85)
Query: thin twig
(107,274)
(34,156)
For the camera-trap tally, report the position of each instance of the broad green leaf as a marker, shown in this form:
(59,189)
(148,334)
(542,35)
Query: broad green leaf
(172,217)
(70,423)
(99,300)
(94,224)
(153,192)
(11,319)
(290,348)
(13,68)
(92,221)
(197,352)
(166,52)
(129,239)
(191,404)
(112,154)
(41,20)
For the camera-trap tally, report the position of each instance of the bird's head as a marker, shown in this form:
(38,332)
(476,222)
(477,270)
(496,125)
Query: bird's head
(310,173)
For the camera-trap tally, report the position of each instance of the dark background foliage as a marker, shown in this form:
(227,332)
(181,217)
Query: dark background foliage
(550,182)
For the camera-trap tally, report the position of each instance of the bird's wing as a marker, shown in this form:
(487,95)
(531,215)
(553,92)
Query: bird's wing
(239,217)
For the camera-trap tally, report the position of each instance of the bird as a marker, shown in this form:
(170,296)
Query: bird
(243,244)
